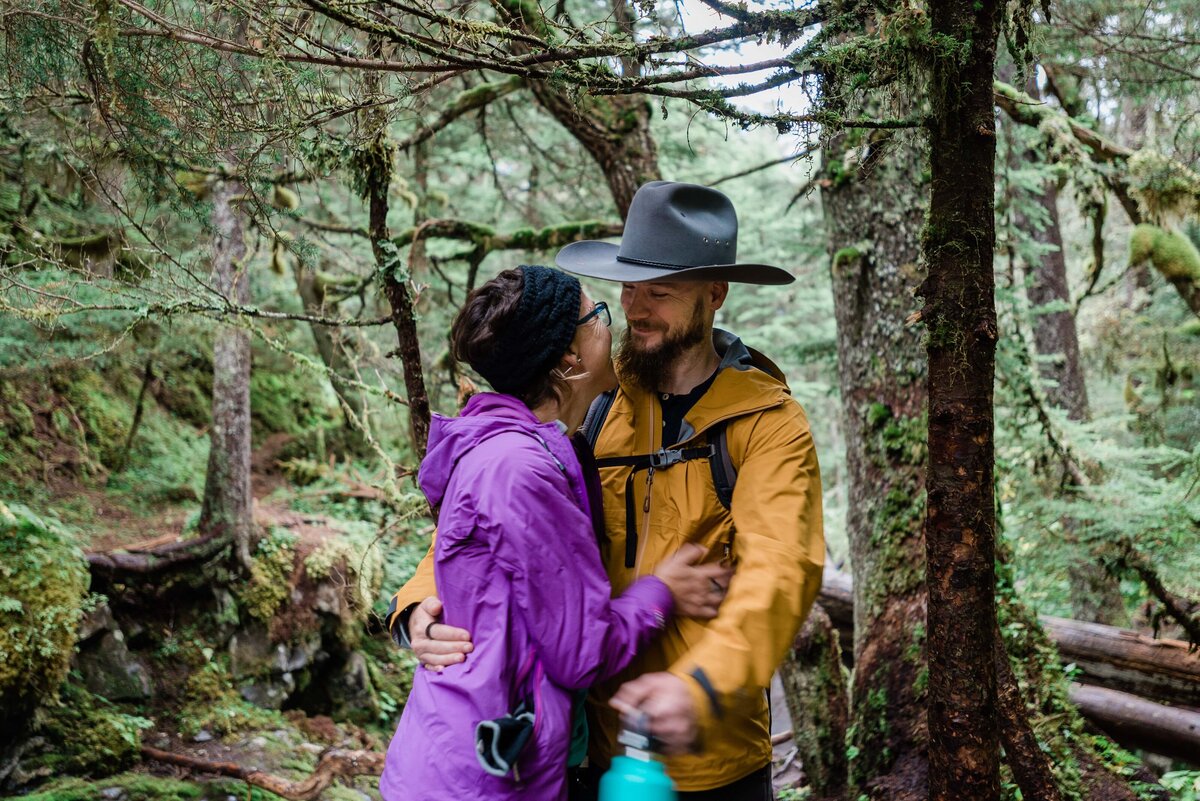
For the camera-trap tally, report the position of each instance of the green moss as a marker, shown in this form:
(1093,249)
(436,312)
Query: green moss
(215,706)
(355,556)
(1171,253)
(1163,186)
(43,583)
(136,787)
(85,734)
(867,734)
(271,569)
(878,413)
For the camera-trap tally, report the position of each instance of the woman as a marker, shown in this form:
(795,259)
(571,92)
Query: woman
(516,560)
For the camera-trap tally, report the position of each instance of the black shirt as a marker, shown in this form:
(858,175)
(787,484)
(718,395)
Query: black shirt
(676,407)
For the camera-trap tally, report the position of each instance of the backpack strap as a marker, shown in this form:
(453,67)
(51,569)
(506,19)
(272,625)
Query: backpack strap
(596,415)
(658,460)
(724,473)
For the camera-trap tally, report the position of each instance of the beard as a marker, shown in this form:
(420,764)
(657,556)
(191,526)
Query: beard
(644,367)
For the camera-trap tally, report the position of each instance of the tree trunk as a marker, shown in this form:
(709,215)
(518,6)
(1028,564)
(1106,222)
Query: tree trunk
(375,163)
(332,352)
(614,130)
(814,686)
(960,315)
(227,508)
(874,201)
(1095,595)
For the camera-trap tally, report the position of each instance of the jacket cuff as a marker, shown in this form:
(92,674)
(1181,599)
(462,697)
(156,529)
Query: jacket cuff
(397,621)
(653,594)
(704,700)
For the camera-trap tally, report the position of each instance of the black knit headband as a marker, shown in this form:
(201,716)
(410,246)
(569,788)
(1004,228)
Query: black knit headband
(538,335)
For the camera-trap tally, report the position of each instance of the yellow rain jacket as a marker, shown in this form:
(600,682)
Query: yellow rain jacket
(773,532)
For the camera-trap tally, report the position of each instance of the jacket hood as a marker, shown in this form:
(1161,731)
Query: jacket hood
(450,438)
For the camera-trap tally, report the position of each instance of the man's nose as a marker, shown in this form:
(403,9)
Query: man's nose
(634,306)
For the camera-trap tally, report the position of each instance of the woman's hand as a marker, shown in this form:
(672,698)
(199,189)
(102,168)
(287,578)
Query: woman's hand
(698,589)
(435,644)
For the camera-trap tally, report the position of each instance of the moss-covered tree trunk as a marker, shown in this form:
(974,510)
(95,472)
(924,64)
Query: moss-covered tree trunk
(960,316)
(227,509)
(874,201)
(814,688)
(375,165)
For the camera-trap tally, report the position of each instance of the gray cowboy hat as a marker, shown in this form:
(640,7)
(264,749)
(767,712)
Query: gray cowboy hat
(673,231)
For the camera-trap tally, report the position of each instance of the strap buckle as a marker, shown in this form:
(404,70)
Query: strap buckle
(665,458)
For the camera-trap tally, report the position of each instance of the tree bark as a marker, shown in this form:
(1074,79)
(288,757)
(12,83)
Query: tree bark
(874,201)
(960,315)
(334,764)
(814,687)
(1161,670)
(227,509)
(614,130)
(375,162)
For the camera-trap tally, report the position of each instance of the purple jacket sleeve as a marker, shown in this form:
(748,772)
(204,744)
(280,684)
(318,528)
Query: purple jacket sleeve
(545,542)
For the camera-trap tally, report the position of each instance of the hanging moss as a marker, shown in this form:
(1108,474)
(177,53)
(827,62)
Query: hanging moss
(43,583)
(1171,253)
(1163,186)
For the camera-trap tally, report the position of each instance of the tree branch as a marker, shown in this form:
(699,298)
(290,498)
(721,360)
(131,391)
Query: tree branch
(334,764)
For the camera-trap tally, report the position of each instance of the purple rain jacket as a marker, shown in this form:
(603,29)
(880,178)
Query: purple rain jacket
(517,565)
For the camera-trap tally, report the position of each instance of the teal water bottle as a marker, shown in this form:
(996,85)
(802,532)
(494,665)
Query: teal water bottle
(637,776)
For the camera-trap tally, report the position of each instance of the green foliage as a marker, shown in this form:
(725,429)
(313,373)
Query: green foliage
(1183,784)
(135,787)
(86,735)
(213,705)
(271,568)
(43,582)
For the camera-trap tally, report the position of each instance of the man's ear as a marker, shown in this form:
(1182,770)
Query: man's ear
(717,292)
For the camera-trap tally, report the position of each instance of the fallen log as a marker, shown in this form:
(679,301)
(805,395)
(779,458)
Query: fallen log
(1137,723)
(334,763)
(1160,670)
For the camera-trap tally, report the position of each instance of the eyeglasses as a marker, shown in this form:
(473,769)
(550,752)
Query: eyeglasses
(599,310)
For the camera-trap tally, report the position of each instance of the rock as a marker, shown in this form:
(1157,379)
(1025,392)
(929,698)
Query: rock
(110,671)
(251,652)
(351,688)
(113,793)
(202,736)
(268,693)
(98,620)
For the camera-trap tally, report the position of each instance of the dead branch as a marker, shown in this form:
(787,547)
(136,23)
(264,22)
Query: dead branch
(334,764)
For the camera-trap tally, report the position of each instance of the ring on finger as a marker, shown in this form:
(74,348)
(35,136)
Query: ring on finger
(716,585)
(429,630)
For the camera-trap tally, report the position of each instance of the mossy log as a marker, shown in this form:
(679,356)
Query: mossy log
(1137,723)
(1161,670)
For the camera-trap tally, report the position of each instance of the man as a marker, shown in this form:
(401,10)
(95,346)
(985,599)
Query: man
(708,408)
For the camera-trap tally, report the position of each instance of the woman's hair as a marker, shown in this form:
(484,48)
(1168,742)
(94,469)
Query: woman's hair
(490,310)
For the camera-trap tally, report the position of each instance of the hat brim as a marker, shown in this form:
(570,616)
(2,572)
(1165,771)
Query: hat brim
(599,260)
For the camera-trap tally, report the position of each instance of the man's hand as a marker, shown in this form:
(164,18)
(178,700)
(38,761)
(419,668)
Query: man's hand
(436,644)
(663,702)
(698,589)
